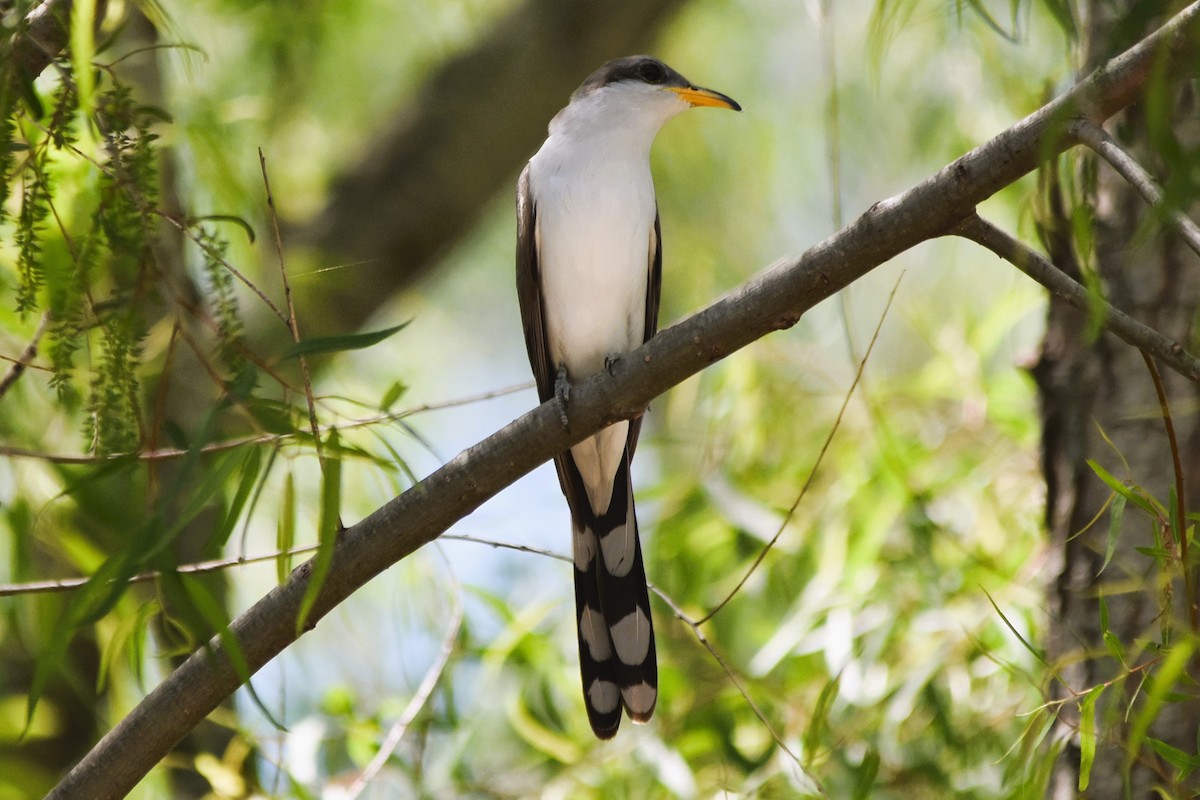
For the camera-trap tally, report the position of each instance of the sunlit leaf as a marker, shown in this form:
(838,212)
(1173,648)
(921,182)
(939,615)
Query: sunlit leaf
(1087,735)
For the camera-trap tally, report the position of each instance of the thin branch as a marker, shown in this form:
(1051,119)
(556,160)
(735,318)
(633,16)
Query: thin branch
(200,567)
(217,564)
(1180,493)
(1097,139)
(773,300)
(837,423)
(1038,267)
(293,322)
(432,676)
(26,358)
(733,677)
(186,230)
(7,451)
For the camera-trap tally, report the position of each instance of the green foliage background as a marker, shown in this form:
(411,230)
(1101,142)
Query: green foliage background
(878,640)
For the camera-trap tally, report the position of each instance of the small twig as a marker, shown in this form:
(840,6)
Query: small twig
(189,233)
(1037,267)
(1180,496)
(733,677)
(7,451)
(498,545)
(215,565)
(26,358)
(198,568)
(1097,139)
(812,473)
(432,676)
(292,321)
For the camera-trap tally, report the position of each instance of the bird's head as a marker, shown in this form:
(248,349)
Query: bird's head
(644,79)
(640,89)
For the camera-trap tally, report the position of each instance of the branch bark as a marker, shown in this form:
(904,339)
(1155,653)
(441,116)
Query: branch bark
(773,300)
(44,33)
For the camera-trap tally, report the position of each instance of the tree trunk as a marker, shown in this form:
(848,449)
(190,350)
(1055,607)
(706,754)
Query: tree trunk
(1096,387)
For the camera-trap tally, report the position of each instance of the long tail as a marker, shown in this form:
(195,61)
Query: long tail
(617,660)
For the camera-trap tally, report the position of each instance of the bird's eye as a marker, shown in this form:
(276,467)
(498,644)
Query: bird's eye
(652,72)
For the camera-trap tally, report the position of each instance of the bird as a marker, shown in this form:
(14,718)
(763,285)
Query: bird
(589,273)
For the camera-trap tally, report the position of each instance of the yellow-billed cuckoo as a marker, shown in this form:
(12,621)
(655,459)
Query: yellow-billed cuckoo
(589,268)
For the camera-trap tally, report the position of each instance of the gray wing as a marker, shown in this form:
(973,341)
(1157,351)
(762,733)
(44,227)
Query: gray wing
(529,290)
(653,292)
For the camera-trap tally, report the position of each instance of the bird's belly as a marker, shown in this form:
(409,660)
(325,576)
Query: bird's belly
(594,264)
(594,288)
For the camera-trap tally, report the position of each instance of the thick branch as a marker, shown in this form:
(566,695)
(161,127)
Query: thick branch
(44,33)
(773,300)
(1038,267)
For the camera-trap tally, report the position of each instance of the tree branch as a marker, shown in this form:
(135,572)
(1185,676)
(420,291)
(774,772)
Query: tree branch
(773,300)
(1097,139)
(44,33)
(1038,267)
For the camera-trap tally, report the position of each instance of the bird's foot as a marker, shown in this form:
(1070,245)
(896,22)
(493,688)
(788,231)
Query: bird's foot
(610,361)
(562,393)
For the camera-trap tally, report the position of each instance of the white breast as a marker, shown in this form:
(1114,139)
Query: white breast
(595,212)
(595,221)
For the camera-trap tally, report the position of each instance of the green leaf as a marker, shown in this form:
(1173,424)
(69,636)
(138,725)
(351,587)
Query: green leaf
(1177,758)
(1033,651)
(336,344)
(1087,735)
(241,223)
(285,536)
(982,12)
(213,613)
(1115,515)
(816,724)
(1162,683)
(89,603)
(867,771)
(250,470)
(394,392)
(1124,491)
(327,530)
(211,484)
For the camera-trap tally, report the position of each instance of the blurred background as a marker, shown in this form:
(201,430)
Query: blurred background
(874,653)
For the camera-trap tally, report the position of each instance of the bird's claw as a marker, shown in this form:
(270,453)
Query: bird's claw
(610,361)
(562,393)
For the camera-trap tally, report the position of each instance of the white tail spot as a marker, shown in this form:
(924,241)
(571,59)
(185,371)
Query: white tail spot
(591,628)
(639,700)
(603,696)
(631,637)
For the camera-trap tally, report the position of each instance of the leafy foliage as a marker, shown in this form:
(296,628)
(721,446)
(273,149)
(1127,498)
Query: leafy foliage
(888,646)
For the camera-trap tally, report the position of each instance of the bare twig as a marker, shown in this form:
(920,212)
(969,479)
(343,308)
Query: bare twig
(200,567)
(1095,137)
(432,676)
(292,322)
(215,565)
(1038,267)
(186,230)
(733,676)
(26,358)
(7,451)
(1180,493)
(837,422)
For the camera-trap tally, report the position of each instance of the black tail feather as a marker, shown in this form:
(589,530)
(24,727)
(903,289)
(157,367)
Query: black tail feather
(616,637)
